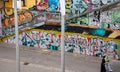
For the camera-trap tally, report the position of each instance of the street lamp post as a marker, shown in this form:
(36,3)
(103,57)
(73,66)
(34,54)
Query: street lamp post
(16,37)
(62,10)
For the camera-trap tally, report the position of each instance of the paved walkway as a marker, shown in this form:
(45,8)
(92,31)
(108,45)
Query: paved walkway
(43,60)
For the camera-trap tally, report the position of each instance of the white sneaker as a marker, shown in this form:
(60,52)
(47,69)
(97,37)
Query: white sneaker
(110,70)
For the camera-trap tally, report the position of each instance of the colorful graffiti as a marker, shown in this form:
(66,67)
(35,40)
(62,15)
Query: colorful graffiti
(73,43)
(78,6)
(68,6)
(72,6)
(95,19)
(8,7)
(48,5)
(42,6)
(22,18)
(115,20)
(76,43)
(84,20)
(26,4)
(106,19)
(53,5)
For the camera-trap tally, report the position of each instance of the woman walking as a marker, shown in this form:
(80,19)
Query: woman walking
(107,64)
(103,69)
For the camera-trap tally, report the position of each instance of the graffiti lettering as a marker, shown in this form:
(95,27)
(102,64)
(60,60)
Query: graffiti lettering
(73,43)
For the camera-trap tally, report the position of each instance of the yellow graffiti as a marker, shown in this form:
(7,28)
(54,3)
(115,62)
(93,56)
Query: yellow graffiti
(115,34)
(8,7)
(22,18)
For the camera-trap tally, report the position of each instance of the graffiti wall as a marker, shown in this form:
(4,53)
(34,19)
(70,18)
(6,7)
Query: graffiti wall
(75,43)
(72,6)
(106,19)
(101,19)
(46,10)
(26,4)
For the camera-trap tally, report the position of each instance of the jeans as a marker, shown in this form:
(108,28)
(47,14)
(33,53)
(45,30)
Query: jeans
(108,67)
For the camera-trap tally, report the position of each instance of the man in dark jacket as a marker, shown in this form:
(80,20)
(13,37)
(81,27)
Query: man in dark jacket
(103,69)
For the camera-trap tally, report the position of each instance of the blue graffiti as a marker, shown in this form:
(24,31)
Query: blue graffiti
(53,5)
(98,32)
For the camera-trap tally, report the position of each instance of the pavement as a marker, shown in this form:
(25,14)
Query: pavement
(42,60)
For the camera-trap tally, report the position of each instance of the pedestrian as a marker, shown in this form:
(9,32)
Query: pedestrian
(103,69)
(107,64)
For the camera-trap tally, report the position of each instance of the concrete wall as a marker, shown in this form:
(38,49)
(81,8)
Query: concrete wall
(74,42)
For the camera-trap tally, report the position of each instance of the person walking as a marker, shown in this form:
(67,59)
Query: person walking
(103,69)
(107,64)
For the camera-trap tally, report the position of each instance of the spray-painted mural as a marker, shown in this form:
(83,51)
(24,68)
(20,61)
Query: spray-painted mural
(73,43)
(46,11)
(78,6)
(72,6)
(101,19)
(106,19)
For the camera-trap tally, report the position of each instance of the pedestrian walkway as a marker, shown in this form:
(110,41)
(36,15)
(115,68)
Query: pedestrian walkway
(43,60)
